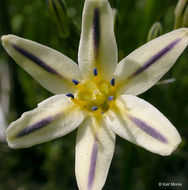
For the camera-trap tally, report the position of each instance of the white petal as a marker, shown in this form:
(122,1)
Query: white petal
(146,65)
(97,47)
(141,123)
(53,118)
(50,68)
(94,152)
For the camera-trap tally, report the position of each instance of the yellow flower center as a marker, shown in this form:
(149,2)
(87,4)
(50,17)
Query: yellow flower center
(94,95)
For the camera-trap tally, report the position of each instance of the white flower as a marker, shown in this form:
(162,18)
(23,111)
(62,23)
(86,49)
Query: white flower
(92,94)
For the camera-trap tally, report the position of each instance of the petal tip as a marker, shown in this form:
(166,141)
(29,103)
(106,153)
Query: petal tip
(184,31)
(6,39)
(172,148)
(10,144)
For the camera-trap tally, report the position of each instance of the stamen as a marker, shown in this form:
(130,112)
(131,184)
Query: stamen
(76,82)
(112,82)
(95,73)
(110,98)
(70,95)
(94,108)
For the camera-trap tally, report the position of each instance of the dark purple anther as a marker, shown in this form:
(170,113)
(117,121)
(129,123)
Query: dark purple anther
(110,98)
(94,108)
(76,82)
(95,73)
(112,82)
(70,95)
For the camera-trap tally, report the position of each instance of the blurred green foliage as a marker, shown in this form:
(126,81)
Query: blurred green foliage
(50,166)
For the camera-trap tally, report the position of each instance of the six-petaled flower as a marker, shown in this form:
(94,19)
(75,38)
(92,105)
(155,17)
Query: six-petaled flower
(98,95)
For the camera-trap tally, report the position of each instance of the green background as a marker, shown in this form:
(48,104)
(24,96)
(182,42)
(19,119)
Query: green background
(50,166)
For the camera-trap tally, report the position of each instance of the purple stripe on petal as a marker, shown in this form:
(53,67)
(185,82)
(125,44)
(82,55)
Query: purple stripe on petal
(93,161)
(38,125)
(96,29)
(148,129)
(36,60)
(156,57)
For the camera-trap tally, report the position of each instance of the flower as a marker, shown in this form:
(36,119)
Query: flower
(91,95)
